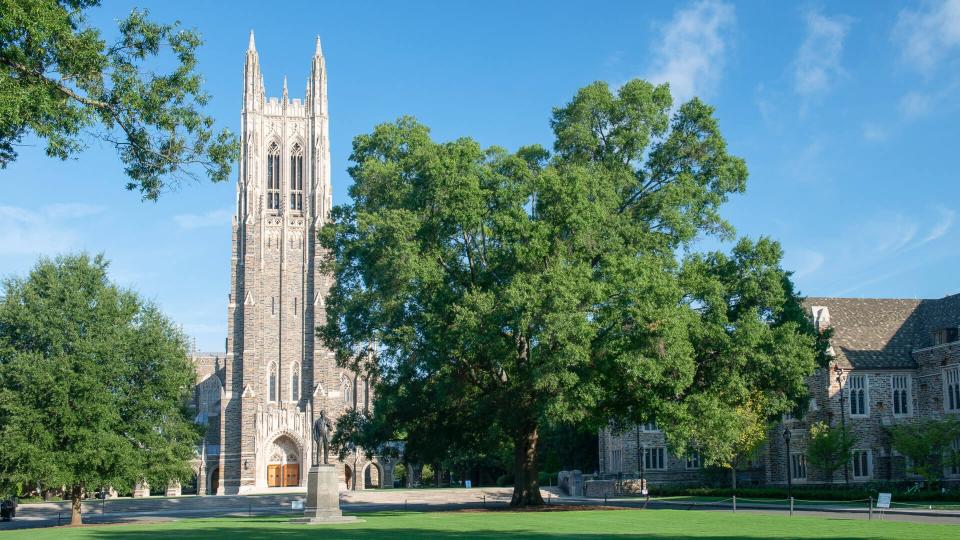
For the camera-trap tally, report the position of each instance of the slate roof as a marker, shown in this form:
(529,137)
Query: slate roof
(874,333)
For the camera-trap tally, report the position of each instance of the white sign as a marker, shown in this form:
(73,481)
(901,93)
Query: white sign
(467,484)
(883,501)
(296,505)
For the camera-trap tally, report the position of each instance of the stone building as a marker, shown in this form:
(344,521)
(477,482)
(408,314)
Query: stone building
(893,361)
(259,398)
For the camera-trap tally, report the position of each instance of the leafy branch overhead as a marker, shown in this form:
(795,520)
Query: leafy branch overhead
(62,82)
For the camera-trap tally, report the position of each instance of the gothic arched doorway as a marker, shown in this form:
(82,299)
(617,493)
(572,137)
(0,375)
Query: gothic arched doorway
(347,476)
(214,483)
(372,476)
(283,467)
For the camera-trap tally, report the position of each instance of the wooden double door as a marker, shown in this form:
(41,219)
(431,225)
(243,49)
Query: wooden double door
(283,475)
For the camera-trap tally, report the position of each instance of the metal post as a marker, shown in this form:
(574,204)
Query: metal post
(791,506)
(734,504)
(870,511)
(604,499)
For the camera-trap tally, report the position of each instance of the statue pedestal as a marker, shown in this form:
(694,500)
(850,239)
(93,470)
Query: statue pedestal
(323,498)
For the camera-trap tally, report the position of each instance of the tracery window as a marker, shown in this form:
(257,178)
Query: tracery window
(901,395)
(272,382)
(296,178)
(295,382)
(857,385)
(273,177)
(951,386)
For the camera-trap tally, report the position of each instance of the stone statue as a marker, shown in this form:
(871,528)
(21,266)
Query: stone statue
(322,428)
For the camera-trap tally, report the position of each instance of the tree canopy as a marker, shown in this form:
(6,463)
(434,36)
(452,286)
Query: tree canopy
(510,290)
(94,383)
(62,82)
(929,445)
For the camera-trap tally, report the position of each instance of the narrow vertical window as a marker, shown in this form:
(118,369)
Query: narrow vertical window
(273,177)
(296,178)
(272,382)
(295,383)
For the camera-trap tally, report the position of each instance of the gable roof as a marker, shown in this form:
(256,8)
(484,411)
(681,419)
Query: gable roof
(873,333)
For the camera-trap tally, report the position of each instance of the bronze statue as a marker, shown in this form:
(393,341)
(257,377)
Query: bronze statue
(321,437)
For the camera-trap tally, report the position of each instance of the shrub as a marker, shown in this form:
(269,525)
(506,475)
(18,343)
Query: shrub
(505,480)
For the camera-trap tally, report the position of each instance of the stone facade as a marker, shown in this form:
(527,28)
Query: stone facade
(258,399)
(892,362)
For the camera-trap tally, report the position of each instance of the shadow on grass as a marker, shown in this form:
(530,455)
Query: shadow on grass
(379,529)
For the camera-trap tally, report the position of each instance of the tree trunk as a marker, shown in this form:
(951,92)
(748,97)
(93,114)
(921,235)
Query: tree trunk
(76,499)
(526,486)
(733,478)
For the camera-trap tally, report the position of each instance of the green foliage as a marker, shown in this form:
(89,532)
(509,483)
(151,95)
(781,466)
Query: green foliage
(928,444)
(854,492)
(60,80)
(829,447)
(93,383)
(505,480)
(510,291)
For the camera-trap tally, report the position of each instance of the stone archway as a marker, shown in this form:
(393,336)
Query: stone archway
(347,476)
(213,484)
(372,476)
(283,463)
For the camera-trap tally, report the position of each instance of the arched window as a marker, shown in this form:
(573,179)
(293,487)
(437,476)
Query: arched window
(296,178)
(272,381)
(345,389)
(273,177)
(295,382)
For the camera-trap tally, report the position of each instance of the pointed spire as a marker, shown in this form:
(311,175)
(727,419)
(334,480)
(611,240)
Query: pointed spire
(284,87)
(318,52)
(253,44)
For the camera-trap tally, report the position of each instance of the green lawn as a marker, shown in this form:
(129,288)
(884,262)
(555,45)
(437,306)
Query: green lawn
(654,524)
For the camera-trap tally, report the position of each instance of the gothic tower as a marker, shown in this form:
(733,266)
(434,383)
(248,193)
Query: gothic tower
(276,372)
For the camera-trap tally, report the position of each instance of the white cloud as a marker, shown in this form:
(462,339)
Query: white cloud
(916,105)
(43,232)
(691,52)
(804,262)
(875,132)
(892,234)
(947,217)
(928,34)
(818,61)
(213,218)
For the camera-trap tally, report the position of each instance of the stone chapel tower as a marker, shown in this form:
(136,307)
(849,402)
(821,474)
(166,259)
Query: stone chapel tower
(275,370)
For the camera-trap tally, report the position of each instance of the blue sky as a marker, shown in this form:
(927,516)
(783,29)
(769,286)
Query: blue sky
(846,114)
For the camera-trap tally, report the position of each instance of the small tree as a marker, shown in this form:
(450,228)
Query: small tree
(93,384)
(928,445)
(829,447)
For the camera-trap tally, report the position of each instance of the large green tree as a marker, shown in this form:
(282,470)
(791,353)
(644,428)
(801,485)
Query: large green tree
(508,291)
(62,82)
(93,384)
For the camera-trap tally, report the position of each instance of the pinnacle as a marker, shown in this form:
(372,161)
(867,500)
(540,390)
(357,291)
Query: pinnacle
(318,52)
(253,45)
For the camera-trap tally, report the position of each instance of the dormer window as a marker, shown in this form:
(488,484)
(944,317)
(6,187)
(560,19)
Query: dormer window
(296,178)
(945,335)
(273,177)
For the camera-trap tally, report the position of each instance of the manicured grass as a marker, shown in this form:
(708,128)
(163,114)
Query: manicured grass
(595,524)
